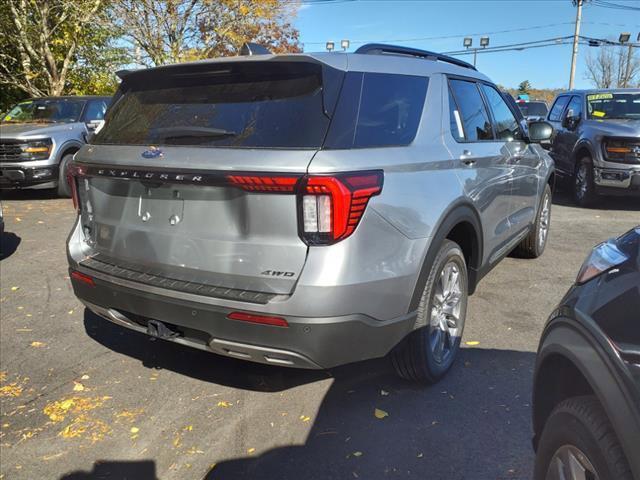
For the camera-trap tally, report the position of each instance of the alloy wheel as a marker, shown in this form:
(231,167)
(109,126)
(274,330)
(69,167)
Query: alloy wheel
(446,321)
(581,181)
(545,217)
(569,463)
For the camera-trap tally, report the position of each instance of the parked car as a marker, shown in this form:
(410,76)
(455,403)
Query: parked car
(306,210)
(533,110)
(586,400)
(597,142)
(38,138)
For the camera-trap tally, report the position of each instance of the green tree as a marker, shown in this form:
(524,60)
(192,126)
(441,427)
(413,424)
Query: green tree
(52,47)
(524,87)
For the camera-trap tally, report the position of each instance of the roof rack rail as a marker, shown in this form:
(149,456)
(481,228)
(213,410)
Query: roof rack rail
(381,48)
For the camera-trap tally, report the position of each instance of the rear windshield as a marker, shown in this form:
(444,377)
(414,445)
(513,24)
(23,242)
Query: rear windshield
(533,109)
(252,105)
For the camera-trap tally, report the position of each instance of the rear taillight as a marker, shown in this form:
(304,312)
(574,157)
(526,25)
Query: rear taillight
(264,183)
(73,173)
(331,206)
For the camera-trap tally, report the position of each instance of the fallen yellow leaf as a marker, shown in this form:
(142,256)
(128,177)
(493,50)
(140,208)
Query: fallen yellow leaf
(380,413)
(78,387)
(224,404)
(38,344)
(134,430)
(472,343)
(251,450)
(14,289)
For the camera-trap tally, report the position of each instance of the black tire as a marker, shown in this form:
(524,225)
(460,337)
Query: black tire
(581,423)
(64,190)
(416,358)
(584,190)
(533,245)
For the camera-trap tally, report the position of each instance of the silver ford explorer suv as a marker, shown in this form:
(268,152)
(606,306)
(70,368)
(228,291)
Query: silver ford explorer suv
(38,138)
(306,210)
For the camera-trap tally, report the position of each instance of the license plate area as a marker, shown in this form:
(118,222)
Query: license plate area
(161,206)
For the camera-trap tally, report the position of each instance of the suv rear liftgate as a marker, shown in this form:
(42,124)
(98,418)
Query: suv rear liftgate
(198,184)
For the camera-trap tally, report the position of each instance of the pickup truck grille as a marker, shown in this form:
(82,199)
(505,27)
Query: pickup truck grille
(10,152)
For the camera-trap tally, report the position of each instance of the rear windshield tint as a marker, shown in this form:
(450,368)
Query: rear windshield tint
(252,105)
(377,110)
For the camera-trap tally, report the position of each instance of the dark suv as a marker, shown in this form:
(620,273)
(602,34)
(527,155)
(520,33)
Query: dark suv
(597,142)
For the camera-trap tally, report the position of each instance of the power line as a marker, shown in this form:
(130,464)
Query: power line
(615,6)
(446,37)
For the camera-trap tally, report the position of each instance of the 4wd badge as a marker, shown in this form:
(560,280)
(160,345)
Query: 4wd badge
(277,273)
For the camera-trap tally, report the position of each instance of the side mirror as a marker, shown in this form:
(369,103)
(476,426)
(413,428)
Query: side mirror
(540,132)
(95,125)
(571,120)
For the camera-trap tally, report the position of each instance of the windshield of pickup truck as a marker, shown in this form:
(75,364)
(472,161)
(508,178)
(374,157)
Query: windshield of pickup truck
(45,111)
(607,105)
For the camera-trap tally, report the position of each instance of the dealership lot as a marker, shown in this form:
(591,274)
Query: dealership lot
(81,398)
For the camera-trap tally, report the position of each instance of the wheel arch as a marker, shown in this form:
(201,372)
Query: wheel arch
(571,362)
(461,224)
(68,147)
(582,149)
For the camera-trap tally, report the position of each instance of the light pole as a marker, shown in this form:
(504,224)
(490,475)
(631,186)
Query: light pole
(467,43)
(344,44)
(576,33)
(624,38)
(484,43)
(330,46)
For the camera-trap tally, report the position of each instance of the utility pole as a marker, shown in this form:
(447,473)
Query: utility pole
(574,55)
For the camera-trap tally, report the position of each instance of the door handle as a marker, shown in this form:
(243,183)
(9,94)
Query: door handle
(466,158)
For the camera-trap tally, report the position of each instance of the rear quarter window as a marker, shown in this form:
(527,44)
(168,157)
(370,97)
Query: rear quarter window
(377,110)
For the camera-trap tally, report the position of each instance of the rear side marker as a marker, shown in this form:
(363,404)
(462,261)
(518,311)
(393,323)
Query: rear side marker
(81,277)
(262,319)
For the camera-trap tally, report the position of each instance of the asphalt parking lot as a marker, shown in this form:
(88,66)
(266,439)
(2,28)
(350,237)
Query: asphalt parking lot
(83,399)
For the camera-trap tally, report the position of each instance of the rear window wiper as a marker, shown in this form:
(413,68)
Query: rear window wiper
(192,132)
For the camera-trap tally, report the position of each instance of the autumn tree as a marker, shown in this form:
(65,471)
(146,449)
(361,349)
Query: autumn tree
(613,67)
(172,31)
(42,44)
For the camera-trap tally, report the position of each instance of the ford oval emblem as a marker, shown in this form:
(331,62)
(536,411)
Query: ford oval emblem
(152,152)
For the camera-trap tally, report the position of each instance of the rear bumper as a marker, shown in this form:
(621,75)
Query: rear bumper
(307,342)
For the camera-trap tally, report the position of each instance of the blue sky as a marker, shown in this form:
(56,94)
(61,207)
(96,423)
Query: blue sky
(397,21)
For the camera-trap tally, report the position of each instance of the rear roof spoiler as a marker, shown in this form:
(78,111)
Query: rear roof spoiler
(383,49)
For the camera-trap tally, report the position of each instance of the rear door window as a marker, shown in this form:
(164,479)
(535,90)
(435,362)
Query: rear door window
(558,107)
(505,123)
(472,110)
